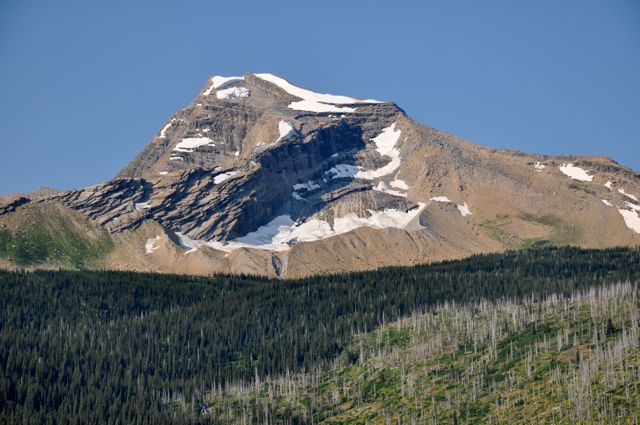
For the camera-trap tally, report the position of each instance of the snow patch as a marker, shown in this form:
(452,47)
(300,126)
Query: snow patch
(150,245)
(309,186)
(139,206)
(224,177)
(464,209)
(399,184)
(295,195)
(633,206)
(628,195)
(312,101)
(440,199)
(219,82)
(163,132)
(631,219)
(343,171)
(608,184)
(282,232)
(176,158)
(539,166)
(607,203)
(382,187)
(163,173)
(575,172)
(286,130)
(386,146)
(233,93)
(191,143)
(236,153)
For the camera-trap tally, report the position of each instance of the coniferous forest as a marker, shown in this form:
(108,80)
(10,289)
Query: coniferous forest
(119,347)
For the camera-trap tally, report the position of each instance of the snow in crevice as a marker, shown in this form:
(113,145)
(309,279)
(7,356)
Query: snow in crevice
(631,219)
(163,173)
(286,130)
(575,172)
(295,195)
(308,186)
(628,195)
(140,206)
(219,82)
(312,101)
(224,177)
(607,203)
(176,158)
(281,233)
(150,246)
(233,93)
(539,166)
(608,184)
(190,143)
(386,146)
(343,171)
(163,132)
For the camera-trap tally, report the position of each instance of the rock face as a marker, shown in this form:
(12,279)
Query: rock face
(259,176)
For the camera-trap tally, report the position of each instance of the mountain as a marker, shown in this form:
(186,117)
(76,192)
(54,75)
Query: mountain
(259,176)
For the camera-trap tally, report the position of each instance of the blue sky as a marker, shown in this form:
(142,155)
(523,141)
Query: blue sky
(84,85)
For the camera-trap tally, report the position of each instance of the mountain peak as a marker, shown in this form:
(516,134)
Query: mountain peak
(258,175)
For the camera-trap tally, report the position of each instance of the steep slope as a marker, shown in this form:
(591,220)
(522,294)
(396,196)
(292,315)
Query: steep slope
(559,360)
(259,176)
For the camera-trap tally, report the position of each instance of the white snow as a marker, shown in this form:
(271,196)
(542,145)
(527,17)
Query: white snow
(608,184)
(286,130)
(282,232)
(139,206)
(464,209)
(219,82)
(345,171)
(306,186)
(399,184)
(312,101)
(382,187)
(236,153)
(607,203)
(150,245)
(176,158)
(191,143)
(539,166)
(296,196)
(440,199)
(233,93)
(575,172)
(163,132)
(163,173)
(386,146)
(633,206)
(631,219)
(628,195)
(224,176)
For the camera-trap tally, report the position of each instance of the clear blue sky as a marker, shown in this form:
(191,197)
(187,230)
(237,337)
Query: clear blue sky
(85,84)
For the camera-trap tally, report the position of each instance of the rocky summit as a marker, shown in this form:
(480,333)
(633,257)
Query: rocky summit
(259,176)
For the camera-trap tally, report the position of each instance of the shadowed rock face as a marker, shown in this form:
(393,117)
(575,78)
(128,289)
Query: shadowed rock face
(257,184)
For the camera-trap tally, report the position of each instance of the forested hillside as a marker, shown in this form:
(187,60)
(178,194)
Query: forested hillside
(113,347)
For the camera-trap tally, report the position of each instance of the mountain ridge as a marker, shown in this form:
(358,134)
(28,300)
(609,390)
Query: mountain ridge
(259,176)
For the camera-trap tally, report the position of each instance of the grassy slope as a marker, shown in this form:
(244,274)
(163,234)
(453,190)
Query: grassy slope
(558,361)
(51,234)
